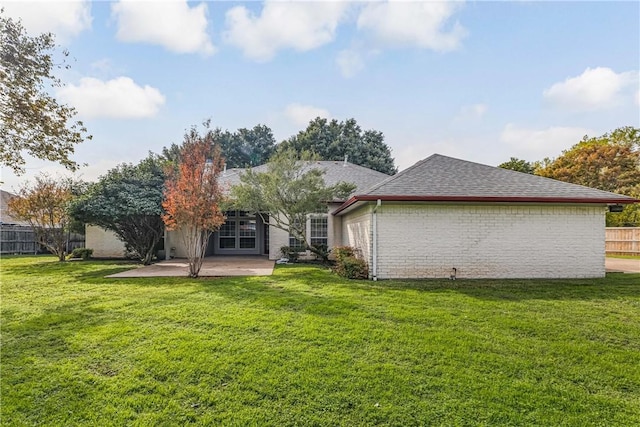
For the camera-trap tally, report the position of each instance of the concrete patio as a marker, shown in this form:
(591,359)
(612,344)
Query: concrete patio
(215,266)
(622,265)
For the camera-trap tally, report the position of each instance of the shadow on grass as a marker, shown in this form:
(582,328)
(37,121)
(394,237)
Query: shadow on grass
(46,264)
(279,287)
(277,294)
(613,286)
(47,335)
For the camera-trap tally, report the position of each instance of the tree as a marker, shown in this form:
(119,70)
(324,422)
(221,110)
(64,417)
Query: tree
(31,120)
(334,140)
(289,191)
(193,197)
(610,162)
(128,201)
(240,149)
(246,147)
(44,206)
(519,165)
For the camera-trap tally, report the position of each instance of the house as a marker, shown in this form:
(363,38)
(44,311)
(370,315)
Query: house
(245,233)
(438,218)
(443,214)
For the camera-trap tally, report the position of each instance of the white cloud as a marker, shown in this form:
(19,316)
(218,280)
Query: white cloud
(350,62)
(301,115)
(171,24)
(595,88)
(471,112)
(65,19)
(420,23)
(103,65)
(301,26)
(119,98)
(535,144)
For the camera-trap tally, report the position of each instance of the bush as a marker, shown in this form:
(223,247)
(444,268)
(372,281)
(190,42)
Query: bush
(322,253)
(348,265)
(342,252)
(290,253)
(84,253)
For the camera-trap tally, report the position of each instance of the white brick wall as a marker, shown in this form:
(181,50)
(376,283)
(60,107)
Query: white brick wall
(105,243)
(356,231)
(277,239)
(484,241)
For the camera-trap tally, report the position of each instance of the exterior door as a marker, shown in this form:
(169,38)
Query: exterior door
(241,234)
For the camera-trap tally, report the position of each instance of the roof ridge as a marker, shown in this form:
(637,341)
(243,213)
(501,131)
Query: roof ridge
(444,176)
(399,174)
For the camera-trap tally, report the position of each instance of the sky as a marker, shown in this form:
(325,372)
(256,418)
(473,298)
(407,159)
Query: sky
(480,81)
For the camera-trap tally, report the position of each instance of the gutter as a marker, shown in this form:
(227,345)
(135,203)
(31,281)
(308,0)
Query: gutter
(374,249)
(486,199)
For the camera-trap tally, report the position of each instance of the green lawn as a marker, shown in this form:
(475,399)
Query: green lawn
(304,347)
(624,256)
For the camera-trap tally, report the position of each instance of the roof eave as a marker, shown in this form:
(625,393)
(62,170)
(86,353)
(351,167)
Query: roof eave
(485,199)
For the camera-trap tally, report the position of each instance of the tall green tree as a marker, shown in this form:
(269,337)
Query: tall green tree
(246,147)
(240,149)
(128,201)
(519,165)
(31,119)
(333,140)
(609,162)
(288,192)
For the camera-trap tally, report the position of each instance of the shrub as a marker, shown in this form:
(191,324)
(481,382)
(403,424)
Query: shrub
(341,252)
(84,253)
(348,265)
(322,253)
(290,253)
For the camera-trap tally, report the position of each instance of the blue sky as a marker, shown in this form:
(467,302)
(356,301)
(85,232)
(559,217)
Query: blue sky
(481,81)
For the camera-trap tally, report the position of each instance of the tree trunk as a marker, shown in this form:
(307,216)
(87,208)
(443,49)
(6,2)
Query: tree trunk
(148,257)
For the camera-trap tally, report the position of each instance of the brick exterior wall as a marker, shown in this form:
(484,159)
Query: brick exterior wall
(105,243)
(483,241)
(277,239)
(357,232)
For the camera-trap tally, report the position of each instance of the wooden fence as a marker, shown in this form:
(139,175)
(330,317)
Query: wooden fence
(17,239)
(20,239)
(622,241)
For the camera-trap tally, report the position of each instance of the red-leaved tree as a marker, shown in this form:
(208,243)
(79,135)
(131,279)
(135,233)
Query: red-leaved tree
(192,196)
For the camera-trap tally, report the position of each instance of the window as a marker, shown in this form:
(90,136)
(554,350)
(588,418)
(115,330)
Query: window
(296,244)
(319,231)
(316,229)
(239,231)
(247,234)
(228,235)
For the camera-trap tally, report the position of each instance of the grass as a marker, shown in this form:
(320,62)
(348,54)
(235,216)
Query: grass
(304,347)
(624,256)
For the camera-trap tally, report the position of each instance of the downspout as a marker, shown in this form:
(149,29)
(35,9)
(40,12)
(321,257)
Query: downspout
(374,249)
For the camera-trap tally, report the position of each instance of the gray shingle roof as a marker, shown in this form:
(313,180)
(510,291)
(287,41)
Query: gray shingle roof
(335,171)
(442,178)
(5,218)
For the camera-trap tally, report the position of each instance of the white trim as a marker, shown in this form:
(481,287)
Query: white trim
(374,241)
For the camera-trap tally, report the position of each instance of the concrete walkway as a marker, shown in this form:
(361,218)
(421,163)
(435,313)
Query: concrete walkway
(215,266)
(622,265)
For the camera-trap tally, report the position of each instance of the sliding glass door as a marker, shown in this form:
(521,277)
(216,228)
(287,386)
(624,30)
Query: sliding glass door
(239,234)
